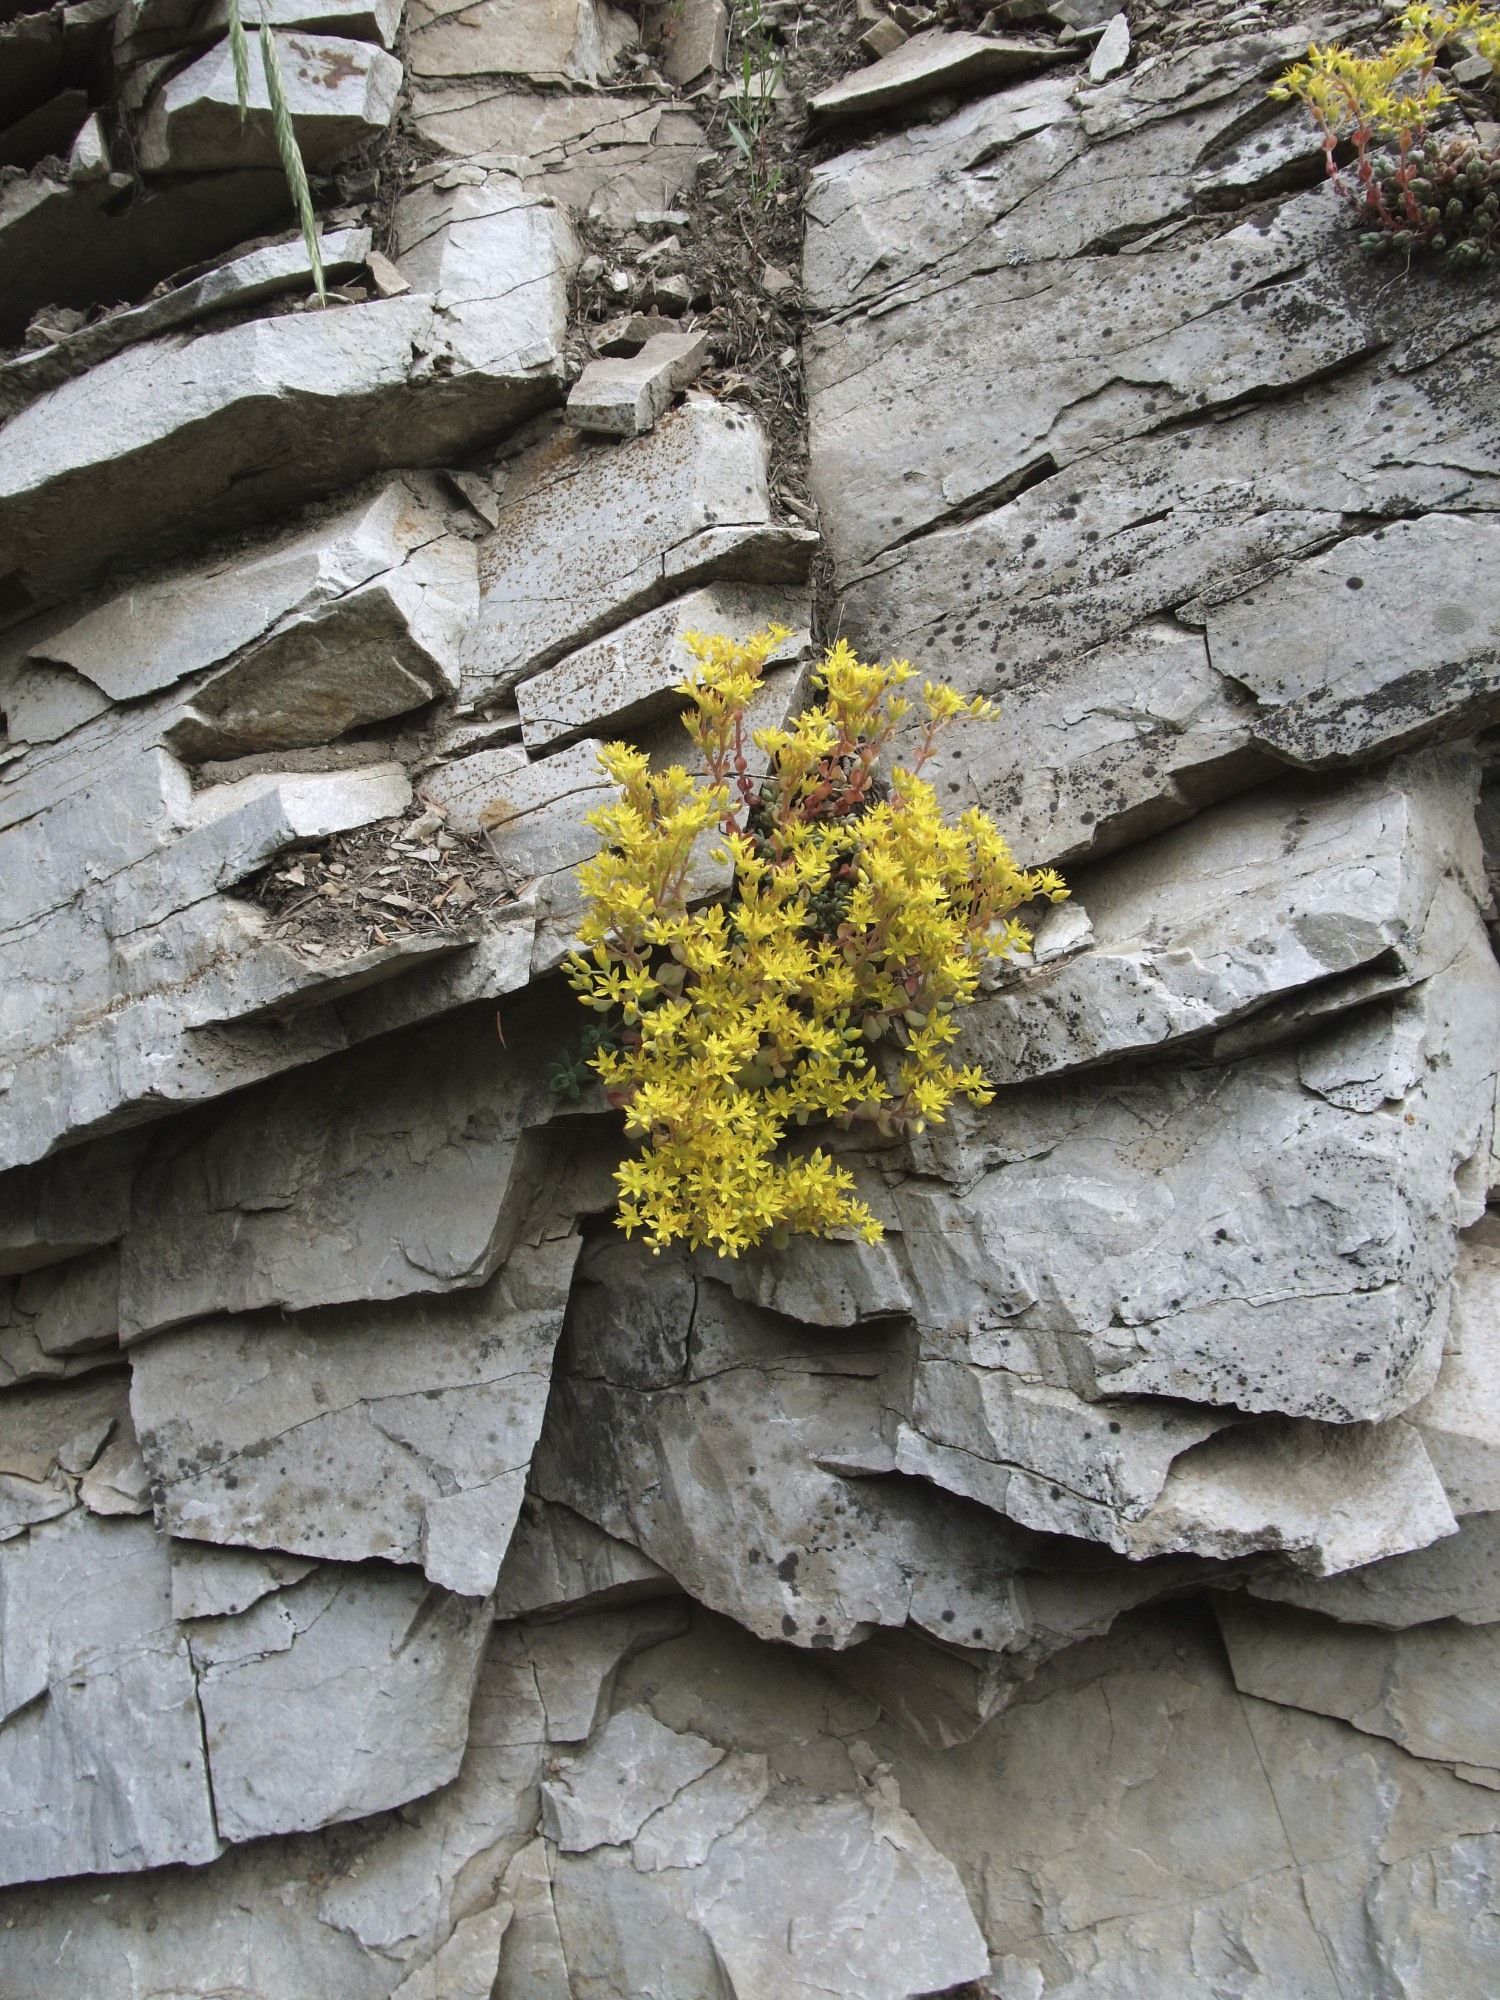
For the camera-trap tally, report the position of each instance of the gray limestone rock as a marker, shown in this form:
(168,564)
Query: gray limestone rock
(407,1172)
(926,66)
(1294,887)
(429,1411)
(625,396)
(103,1767)
(636,1767)
(358,20)
(340,94)
(1430,1689)
(559,1562)
(631,677)
(243,281)
(283,409)
(557,41)
(591,534)
(1460,1419)
(336,1697)
(1456,1578)
(1200,1258)
(349,621)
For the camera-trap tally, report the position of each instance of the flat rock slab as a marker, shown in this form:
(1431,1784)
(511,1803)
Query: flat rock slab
(430,1411)
(1430,1689)
(341,94)
(103,1768)
(926,66)
(357,20)
(632,676)
(625,396)
(1184,1187)
(342,1695)
(554,41)
(171,440)
(407,1173)
(591,534)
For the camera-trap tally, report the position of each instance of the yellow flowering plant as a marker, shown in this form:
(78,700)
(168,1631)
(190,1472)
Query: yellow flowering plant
(822,983)
(1415,189)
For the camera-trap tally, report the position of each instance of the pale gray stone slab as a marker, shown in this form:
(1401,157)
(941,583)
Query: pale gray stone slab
(605,1797)
(341,94)
(624,396)
(1456,1578)
(242,281)
(556,41)
(103,1768)
(927,65)
(430,1410)
(1460,1419)
(681,1833)
(340,1696)
(657,1449)
(1296,886)
(210,1582)
(466,1966)
(1431,1689)
(1173,1233)
(593,533)
(261,602)
(360,20)
(269,405)
(631,677)
(609,157)
(575,1661)
(559,1561)
(407,1172)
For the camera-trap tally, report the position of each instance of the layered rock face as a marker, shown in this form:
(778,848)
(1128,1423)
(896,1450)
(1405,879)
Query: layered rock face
(410,1587)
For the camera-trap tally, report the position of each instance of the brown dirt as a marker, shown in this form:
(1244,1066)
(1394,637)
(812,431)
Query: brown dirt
(395,879)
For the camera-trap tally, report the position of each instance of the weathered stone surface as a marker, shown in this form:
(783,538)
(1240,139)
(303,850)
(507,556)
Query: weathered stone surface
(1098,1843)
(1295,886)
(558,1561)
(653,1441)
(336,1697)
(631,676)
(591,534)
(60,1318)
(210,1582)
(1051,567)
(1457,1578)
(407,1172)
(360,20)
(346,622)
(1200,1252)
(625,396)
(284,409)
(1429,1689)
(700,41)
(243,281)
(103,1767)
(340,93)
(636,1767)
(429,1411)
(608,157)
(924,67)
(577,41)
(1460,1419)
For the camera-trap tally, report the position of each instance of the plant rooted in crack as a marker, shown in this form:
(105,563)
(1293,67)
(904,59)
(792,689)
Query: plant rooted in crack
(1414,188)
(823,984)
(281,123)
(753,105)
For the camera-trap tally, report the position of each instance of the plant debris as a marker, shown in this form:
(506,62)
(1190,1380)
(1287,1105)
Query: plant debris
(371,887)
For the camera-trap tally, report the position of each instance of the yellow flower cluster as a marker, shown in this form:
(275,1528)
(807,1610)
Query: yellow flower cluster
(822,984)
(1390,94)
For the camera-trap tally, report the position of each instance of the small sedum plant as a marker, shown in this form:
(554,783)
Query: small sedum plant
(1413,188)
(823,985)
